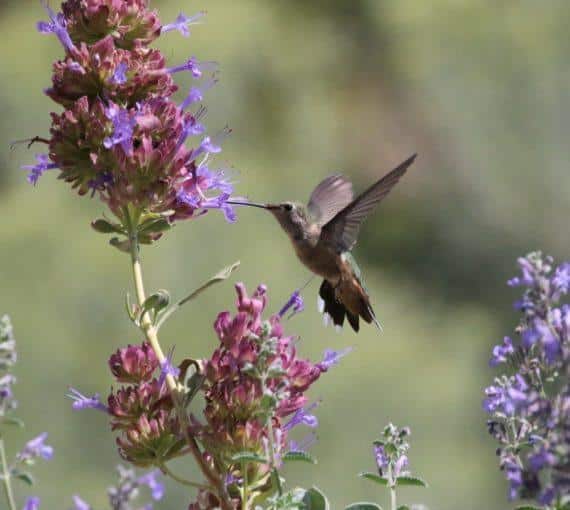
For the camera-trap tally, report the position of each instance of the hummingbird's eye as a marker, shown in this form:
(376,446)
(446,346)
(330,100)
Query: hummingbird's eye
(288,207)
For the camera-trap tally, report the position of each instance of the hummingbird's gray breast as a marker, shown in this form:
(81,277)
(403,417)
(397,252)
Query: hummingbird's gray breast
(319,258)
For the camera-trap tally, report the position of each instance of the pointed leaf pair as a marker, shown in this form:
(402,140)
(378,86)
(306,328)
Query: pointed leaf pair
(249,457)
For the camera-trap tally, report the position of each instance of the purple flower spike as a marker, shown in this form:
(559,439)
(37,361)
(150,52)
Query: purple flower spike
(36,171)
(79,504)
(36,448)
(32,503)
(57,25)
(83,402)
(124,125)
(182,24)
(331,358)
(295,302)
(156,487)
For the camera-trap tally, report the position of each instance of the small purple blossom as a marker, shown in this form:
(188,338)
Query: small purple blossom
(57,25)
(303,417)
(561,279)
(400,464)
(502,352)
(304,444)
(120,75)
(123,127)
(332,358)
(32,503)
(182,24)
(295,303)
(196,94)
(36,448)
(79,504)
(194,66)
(84,402)
(167,368)
(36,171)
(382,460)
(150,479)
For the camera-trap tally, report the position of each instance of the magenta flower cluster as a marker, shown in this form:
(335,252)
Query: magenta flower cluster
(255,390)
(121,135)
(143,410)
(529,403)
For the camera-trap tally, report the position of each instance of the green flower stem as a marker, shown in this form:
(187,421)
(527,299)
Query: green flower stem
(151,335)
(393,503)
(7,478)
(245,492)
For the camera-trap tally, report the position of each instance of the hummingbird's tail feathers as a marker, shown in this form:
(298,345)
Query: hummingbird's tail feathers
(329,306)
(367,313)
(353,320)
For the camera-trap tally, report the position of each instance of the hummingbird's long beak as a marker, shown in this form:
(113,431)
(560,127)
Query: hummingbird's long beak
(251,204)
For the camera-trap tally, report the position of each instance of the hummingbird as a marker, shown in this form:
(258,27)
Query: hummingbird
(323,234)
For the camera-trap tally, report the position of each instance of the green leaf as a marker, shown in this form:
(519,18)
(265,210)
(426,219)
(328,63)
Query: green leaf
(299,457)
(121,245)
(12,420)
(157,301)
(249,457)
(106,227)
(24,477)
(528,507)
(404,507)
(410,481)
(314,499)
(154,226)
(375,478)
(363,505)
(224,274)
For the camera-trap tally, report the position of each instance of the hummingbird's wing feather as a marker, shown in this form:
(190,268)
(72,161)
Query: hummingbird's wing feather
(331,196)
(342,230)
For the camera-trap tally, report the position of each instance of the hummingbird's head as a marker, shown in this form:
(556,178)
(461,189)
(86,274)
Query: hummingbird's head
(291,216)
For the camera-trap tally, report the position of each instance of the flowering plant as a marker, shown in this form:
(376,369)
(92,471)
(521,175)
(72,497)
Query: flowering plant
(529,406)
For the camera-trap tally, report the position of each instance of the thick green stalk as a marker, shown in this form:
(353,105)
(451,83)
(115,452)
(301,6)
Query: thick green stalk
(393,503)
(150,333)
(7,478)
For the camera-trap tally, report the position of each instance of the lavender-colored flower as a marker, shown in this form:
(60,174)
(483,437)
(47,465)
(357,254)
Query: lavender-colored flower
(167,368)
(295,304)
(196,94)
(331,358)
(382,460)
(79,504)
(36,448)
(36,171)
(303,417)
(120,75)
(304,444)
(81,401)
(57,25)
(32,503)
(156,487)
(183,23)
(193,66)
(531,406)
(124,123)
(502,352)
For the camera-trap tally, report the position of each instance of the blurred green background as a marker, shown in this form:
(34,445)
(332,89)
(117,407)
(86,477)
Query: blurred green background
(479,89)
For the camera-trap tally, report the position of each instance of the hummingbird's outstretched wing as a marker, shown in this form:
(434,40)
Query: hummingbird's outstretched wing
(331,196)
(341,232)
